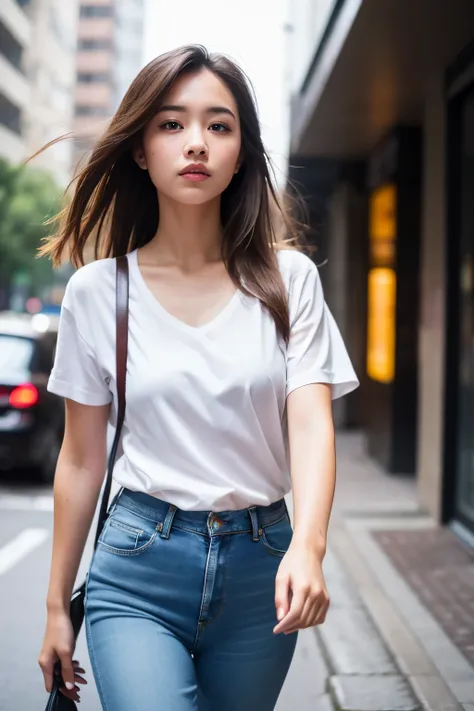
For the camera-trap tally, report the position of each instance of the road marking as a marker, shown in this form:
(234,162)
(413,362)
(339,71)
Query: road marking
(19,547)
(12,502)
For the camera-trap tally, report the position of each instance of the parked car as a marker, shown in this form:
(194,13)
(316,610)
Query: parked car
(31,418)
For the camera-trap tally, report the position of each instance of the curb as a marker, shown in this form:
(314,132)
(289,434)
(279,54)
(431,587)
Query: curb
(410,659)
(363,673)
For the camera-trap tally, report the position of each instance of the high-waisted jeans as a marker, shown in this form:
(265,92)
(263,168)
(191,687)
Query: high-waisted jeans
(180,607)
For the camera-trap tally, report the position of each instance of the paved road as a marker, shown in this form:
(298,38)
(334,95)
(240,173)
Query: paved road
(25,549)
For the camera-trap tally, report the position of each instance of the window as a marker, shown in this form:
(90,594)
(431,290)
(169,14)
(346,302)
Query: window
(99,78)
(93,44)
(10,115)
(96,11)
(10,47)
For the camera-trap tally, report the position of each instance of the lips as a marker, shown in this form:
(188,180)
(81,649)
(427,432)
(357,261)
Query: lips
(196,169)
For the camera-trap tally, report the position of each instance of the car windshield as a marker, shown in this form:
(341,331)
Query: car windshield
(15,354)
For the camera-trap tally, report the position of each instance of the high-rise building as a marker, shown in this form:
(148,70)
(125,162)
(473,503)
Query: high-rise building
(37,77)
(15,33)
(50,65)
(129,39)
(109,55)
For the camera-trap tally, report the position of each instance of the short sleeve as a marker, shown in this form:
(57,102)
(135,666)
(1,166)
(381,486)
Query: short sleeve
(76,374)
(316,352)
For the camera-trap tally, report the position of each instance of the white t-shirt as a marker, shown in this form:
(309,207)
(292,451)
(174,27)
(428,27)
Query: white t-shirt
(205,424)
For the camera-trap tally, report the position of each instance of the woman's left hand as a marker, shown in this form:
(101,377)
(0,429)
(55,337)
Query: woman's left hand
(301,597)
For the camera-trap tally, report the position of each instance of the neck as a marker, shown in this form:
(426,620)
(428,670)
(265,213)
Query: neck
(188,236)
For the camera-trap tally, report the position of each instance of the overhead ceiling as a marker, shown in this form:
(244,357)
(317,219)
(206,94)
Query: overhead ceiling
(377,75)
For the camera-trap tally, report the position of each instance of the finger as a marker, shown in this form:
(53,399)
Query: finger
(308,616)
(73,695)
(310,613)
(80,680)
(47,669)
(314,613)
(294,614)
(282,602)
(67,670)
(322,613)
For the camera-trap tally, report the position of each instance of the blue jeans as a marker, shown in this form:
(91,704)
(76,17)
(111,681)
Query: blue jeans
(180,607)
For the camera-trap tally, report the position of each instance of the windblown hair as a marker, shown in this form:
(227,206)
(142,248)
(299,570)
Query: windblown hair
(114,204)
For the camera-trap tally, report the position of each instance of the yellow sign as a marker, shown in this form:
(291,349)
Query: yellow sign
(382,285)
(382,226)
(381,324)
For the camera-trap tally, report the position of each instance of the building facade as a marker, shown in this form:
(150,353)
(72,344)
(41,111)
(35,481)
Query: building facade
(50,64)
(383,129)
(15,35)
(109,55)
(37,78)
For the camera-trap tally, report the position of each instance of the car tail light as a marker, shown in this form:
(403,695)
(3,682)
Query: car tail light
(23,396)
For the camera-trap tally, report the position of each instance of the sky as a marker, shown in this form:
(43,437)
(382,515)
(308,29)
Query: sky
(250,31)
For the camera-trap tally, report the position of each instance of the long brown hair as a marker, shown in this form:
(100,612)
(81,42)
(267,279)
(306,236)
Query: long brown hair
(115,206)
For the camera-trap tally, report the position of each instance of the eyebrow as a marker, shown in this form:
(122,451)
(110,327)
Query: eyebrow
(210,110)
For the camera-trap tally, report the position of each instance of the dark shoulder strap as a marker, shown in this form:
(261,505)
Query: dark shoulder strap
(121,349)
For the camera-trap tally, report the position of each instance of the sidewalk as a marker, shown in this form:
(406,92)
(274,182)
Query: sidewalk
(400,631)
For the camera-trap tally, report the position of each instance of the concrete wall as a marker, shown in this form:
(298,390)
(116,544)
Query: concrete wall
(432,307)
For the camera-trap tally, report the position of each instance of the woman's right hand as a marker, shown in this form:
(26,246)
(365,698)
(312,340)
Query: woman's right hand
(58,644)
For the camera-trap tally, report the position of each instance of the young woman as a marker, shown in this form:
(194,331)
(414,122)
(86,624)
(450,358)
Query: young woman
(199,584)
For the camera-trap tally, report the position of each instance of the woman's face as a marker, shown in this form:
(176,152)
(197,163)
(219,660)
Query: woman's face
(191,147)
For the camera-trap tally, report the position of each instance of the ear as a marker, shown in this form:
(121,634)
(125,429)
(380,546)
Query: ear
(139,157)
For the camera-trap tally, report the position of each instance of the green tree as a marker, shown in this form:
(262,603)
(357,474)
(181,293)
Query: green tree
(28,197)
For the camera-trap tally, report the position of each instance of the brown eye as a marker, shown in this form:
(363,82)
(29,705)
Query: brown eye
(219,128)
(171,125)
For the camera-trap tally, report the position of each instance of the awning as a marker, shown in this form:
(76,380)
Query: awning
(371,70)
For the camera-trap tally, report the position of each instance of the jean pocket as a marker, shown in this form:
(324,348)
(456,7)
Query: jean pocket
(126,534)
(276,537)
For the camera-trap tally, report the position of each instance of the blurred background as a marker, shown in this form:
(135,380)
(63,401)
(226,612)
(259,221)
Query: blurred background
(367,109)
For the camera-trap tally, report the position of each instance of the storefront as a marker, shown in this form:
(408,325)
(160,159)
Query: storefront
(376,93)
(393,188)
(459,433)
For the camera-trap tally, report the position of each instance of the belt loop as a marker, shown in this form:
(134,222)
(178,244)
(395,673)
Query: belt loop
(168,522)
(254,519)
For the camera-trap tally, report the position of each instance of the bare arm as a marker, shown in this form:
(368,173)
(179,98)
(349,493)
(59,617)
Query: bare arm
(313,463)
(313,474)
(79,476)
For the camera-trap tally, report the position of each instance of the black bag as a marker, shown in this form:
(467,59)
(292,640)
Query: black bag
(57,701)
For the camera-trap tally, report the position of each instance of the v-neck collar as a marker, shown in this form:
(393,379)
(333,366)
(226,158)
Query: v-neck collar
(160,310)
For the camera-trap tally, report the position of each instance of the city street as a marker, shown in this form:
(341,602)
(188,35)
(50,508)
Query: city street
(389,640)
(338,128)
(25,548)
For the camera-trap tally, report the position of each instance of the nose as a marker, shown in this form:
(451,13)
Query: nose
(196,145)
